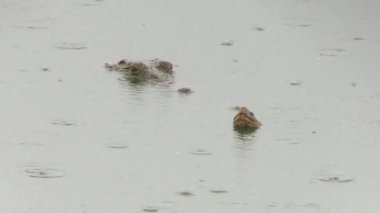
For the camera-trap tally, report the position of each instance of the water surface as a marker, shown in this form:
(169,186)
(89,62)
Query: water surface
(77,138)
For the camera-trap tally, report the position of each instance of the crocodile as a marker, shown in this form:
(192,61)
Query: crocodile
(245,119)
(138,71)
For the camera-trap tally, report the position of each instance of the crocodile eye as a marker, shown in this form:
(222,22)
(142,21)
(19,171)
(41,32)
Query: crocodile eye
(251,113)
(122,62)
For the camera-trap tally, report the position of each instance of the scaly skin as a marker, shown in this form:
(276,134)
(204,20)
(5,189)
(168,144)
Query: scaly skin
(157,70)
(246,120)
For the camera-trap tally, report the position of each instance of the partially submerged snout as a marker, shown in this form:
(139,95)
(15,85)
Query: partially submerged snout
(155,69)
(245,119)
(165,66)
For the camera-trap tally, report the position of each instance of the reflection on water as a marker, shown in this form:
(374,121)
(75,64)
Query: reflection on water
(133,80)
(244,141)
(244,134)
(135,87)
(146,94)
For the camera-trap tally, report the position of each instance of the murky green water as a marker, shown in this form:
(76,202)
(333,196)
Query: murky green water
(77,138)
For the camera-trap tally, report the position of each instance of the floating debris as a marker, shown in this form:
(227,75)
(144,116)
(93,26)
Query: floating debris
(333,49)
(31,27)
(30,144)
(298,25)
(283,139)
(200,152)
(301,205)
(117,146)
(296,83)
(218,191)
(45,69)
(353,84)
(185,194)
(331,52)
(259,28)
(330,55)
(336,180)
(294,205)
(72,46)
(358,38)
(87,4)
(36,27)
(150,209)
(63,123)
(185,90)
(312,205)
(44,173)
(227,43)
